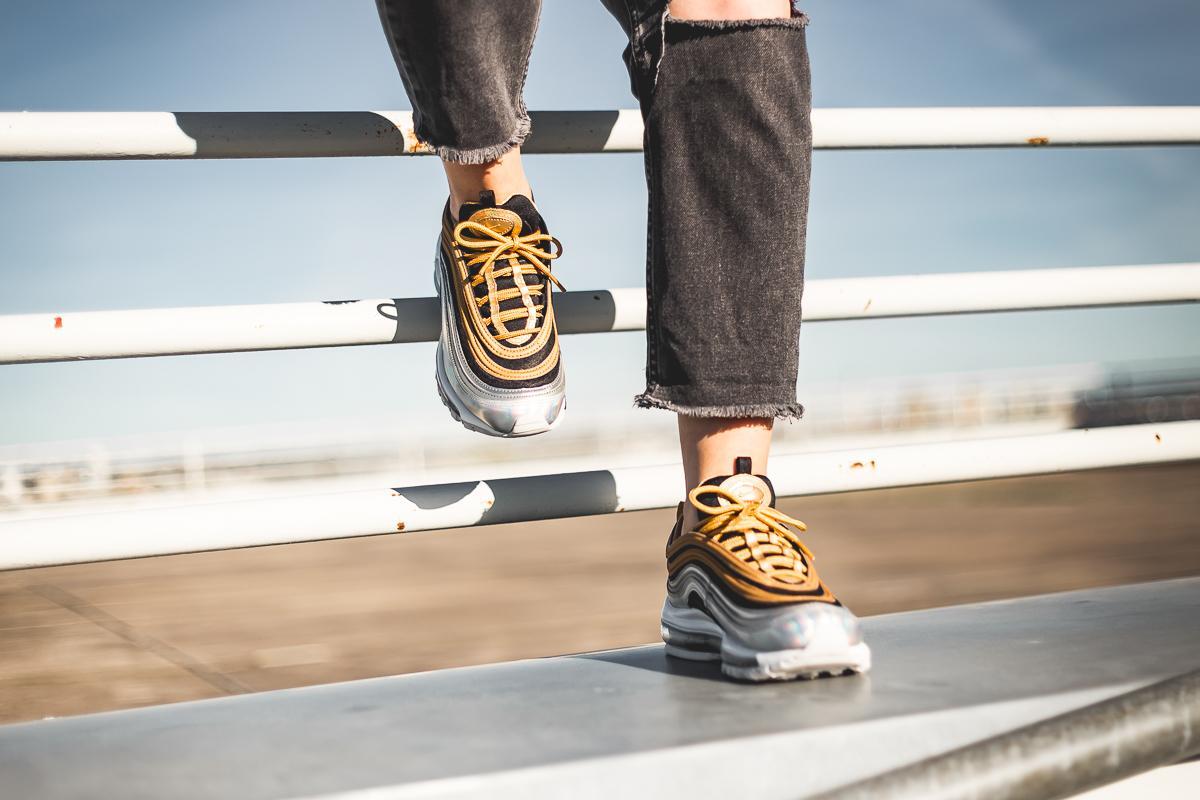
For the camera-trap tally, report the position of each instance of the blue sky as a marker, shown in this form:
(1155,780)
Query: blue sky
(84,236)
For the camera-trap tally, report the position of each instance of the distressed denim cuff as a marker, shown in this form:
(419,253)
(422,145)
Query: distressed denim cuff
(722,401)
(482,155)
(464,63)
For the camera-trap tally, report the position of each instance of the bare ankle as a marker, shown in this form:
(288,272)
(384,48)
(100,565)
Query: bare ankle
(504,177)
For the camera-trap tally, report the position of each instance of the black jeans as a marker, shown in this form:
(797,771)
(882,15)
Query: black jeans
(728,154)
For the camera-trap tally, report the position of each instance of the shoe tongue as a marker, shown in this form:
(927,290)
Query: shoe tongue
(516,215)
(746,487)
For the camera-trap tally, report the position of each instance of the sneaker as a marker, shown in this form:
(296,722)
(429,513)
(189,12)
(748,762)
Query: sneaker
(741,589)
(498,367)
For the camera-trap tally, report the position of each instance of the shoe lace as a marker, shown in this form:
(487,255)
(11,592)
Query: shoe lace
(523,256)
(754,532)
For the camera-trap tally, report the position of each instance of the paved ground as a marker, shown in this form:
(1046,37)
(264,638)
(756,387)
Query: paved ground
(106,636)
(942,678)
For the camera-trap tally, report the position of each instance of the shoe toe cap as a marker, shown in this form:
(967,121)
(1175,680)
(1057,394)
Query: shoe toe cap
(524,417)
(807,625)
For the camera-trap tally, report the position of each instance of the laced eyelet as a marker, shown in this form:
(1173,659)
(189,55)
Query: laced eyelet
(755,533)
(523,256)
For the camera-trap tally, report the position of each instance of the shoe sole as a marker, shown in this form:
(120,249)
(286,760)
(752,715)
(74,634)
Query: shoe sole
(458,410)
(693,635)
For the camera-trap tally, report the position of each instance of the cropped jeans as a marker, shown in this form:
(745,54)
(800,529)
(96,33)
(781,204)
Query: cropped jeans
(728,153)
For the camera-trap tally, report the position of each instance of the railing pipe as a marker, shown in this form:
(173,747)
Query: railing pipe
(77,538)
(1058,757)
(74,336)
(42,136)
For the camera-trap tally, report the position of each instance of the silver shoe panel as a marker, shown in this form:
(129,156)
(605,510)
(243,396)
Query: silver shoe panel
(763,629)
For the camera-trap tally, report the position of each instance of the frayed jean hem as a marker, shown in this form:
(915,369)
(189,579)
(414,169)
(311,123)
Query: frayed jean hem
(657,397)
(483,155)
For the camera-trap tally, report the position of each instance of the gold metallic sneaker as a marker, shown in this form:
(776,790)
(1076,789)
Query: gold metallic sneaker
(498,365)
(742,589)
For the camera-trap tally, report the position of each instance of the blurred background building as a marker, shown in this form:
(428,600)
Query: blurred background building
(315,456)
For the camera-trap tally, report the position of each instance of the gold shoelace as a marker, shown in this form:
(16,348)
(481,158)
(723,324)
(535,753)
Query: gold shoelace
(756,533)
(524,257)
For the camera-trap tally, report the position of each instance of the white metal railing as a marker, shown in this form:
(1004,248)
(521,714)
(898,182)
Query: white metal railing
(334,454)
(34,136)
(219,526)
(73,336)
(113,334)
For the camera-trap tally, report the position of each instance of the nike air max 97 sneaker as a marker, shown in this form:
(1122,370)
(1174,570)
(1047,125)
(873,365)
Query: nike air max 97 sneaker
(498,364)
(742,589)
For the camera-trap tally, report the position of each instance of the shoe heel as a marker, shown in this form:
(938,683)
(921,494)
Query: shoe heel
(695,644)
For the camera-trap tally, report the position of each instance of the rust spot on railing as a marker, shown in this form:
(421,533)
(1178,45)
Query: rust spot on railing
(58,322)
(413,145)
(1157,438)
(400,526)
(1038,141)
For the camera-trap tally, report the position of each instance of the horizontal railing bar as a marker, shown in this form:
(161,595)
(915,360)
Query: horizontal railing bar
(1115,738)
(86,335)
(220,526)
(42,135)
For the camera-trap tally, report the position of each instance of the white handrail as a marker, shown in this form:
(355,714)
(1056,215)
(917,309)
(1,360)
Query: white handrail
(219,526)
(66,336)
(34,136)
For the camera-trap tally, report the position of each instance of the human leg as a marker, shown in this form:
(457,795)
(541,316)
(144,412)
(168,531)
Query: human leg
(465,83)
(728,151)
(724,91)
(463,63)
(709,445)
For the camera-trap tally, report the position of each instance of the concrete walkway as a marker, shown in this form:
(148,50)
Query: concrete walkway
(628,721)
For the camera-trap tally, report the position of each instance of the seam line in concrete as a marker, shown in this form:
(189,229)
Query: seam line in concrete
(124,630)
